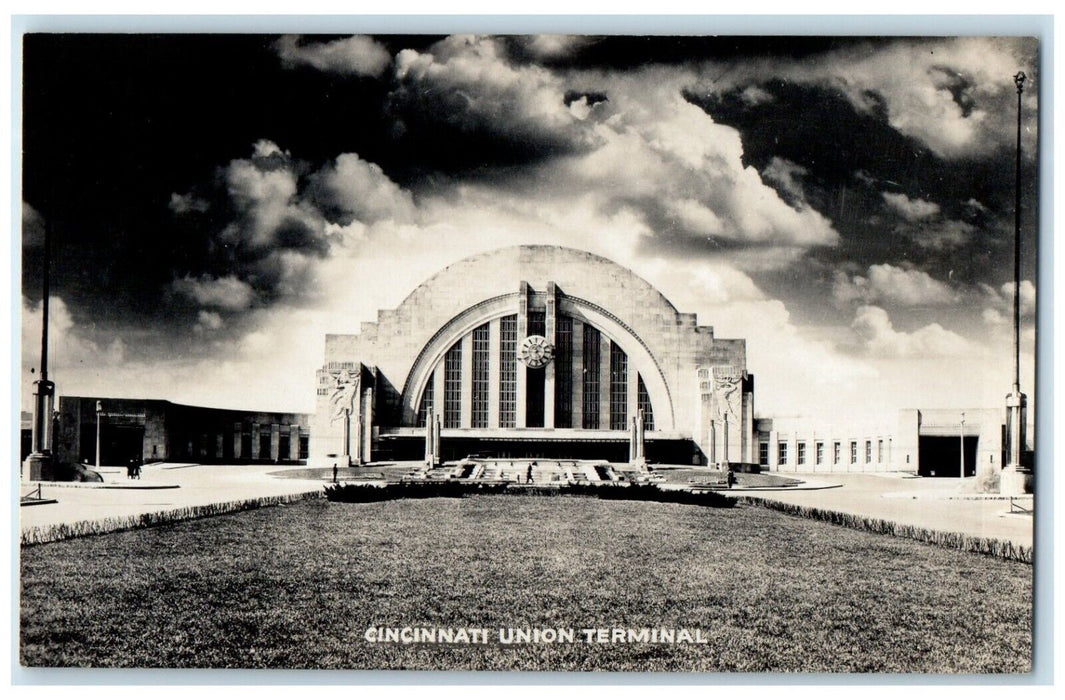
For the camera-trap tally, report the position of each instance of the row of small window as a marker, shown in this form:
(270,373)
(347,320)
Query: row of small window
(819,452)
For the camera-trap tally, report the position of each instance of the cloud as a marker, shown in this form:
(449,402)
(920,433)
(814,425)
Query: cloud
(227,293)
(998,307)
(752,96)
(910,209)
(955,95)
(950,234)
(208,321)
(469,85)
(357,55)
(69,345)
(549,47)
(353,189)
(787,177)
(902,286)
(184,203)
(32,227)
(879,338)
(667,160)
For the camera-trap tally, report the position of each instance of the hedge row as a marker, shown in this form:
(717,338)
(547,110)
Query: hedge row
(366,493)
(1003,549)
(65,531)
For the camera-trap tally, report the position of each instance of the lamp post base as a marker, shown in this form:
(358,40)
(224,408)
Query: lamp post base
(38,466)
(1016,482)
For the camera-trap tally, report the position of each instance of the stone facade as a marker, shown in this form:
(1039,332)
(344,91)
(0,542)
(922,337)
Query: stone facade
(156,430)
(927,442)
(528,345)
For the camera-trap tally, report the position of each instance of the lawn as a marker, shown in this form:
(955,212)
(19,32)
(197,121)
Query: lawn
(297,587)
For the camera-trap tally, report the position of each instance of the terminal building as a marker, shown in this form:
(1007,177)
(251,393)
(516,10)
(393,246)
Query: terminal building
(535,351)
(160,431)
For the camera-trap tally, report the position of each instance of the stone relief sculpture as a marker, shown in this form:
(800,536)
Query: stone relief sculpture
(345,389)
(727,394)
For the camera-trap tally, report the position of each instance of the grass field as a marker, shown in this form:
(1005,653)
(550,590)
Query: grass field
(297,586)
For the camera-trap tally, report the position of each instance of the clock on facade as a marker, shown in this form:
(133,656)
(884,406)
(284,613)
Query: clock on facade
(535,351)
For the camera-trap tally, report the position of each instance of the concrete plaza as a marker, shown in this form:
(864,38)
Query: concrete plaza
(938,504)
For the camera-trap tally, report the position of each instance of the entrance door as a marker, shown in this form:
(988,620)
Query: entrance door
(941,456)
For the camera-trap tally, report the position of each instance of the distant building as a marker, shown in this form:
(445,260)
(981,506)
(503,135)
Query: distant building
(156,430)
(927,442)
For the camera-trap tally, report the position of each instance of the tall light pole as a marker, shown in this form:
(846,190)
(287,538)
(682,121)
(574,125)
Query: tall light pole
(1016,478)
(39,463)
(961,470)
(99,416)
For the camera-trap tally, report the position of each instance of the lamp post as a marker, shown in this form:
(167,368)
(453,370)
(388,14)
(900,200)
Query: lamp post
(961,469)
(99,416)
(1015,478)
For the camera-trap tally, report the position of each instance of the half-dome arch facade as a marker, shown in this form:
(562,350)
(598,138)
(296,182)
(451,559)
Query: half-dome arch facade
(534,351)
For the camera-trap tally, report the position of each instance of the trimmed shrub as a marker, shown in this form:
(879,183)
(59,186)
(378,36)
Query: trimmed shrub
(83,528)
(367,493)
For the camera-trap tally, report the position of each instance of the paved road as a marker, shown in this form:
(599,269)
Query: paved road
(923,502)
(198,485)
(930,503)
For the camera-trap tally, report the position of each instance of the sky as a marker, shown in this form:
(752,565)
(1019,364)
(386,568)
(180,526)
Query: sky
(218,203)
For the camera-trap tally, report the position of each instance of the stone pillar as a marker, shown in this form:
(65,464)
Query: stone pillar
(466,395)
(633,452)
(632,383)
(293,443)
(430,441)
(236,440)
(578,374)
(551,335)
(750,450)
(367,424)
(523,331)
(345,440)
(275,442)
(641,455)
(256,442)
(493,373)
(1016,479)
(604,382)
(436,439)
(724,440)
(711,454)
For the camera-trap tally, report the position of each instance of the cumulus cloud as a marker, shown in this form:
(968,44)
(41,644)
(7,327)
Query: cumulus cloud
(910,209)
(955,95)
(998,303)
(879,338)
(667,160)
(469,84)
(351,188)
(229,293)
(357,55)
(886,283)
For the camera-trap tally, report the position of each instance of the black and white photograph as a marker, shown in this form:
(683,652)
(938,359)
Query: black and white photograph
(512,352)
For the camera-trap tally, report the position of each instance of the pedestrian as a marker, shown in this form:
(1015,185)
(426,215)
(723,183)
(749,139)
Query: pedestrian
(334,472)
